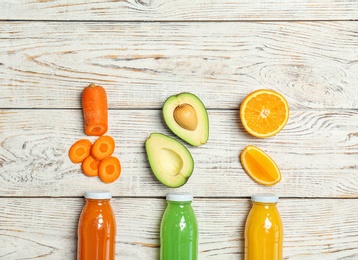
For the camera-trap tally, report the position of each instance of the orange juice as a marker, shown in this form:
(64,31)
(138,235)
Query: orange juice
(263,230)
(97,228)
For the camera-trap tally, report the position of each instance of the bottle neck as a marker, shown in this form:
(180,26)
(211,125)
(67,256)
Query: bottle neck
(99,202)
(264,204)
(183,203)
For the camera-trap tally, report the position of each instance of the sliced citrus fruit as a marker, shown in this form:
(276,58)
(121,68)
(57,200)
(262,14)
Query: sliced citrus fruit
(264,113)
(260,166)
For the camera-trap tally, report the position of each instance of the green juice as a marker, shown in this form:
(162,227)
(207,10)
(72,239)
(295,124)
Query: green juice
(179,229)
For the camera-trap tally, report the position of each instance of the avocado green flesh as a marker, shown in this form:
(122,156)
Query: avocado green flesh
(170,161)
(195,137)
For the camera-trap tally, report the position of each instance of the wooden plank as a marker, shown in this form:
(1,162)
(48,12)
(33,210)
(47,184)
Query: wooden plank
(316,153)
(179,10)
(144,51)
(46,65)
(46,227)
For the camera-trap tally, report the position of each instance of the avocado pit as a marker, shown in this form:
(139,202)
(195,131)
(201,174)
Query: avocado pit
(185,115)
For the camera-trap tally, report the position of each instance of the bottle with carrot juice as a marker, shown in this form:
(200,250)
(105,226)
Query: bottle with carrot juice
(263,230)
(97,228)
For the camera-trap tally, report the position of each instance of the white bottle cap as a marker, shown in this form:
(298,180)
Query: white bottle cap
(180,196)
(268,198)
(98,195)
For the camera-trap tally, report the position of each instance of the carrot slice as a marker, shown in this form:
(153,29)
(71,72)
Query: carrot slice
(90,166)
(80,150)
(103,147)
(95,110)
(109,169)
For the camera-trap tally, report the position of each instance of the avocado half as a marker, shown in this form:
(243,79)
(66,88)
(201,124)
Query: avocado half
(170,161)
(193,123)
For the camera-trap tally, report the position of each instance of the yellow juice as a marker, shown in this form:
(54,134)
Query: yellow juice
(263,230)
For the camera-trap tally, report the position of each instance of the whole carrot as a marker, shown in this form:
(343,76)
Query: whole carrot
(95,110)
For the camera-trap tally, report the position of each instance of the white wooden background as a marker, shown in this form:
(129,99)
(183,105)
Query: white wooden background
(143,51)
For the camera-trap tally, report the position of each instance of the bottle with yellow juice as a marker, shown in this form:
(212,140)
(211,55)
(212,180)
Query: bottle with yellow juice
(263,229)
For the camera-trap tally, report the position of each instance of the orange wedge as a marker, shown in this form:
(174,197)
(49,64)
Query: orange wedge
(259,166)
(264,113)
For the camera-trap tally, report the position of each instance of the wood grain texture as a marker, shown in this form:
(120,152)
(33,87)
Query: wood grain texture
(46,65)
(143,51)
(46,227)
(316,152)
(178,10)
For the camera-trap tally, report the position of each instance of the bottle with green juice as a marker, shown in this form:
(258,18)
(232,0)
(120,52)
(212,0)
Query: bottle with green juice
(179,229)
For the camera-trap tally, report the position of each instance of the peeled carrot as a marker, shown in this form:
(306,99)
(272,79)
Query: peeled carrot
(90,166)
(80,150)
(95,110)
(109,169)
(103,147)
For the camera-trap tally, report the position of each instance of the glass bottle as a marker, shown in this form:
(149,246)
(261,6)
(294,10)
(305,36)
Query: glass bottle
(96,228)
(179,229)
(263,229)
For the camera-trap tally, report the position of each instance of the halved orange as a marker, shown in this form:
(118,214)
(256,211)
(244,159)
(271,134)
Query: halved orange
(260,166)
(264,113)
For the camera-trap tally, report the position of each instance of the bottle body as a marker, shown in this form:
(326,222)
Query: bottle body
(96,230)
(179,232)
(263,232)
